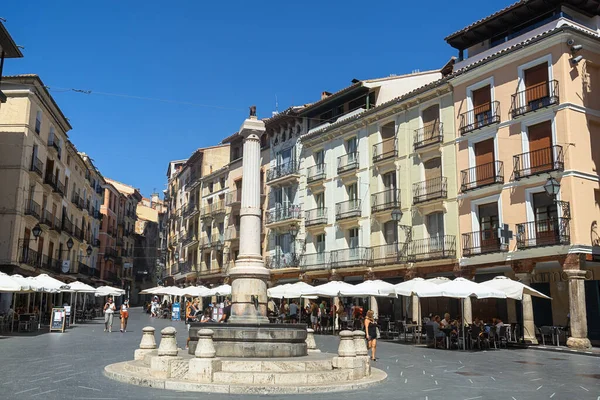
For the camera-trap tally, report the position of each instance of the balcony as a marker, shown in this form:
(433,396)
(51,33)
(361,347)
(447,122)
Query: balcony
(56,225)
(534,98)
(234,198)
(386,200)
(37,166)
(99,189)
(232,234)
(433,248)
(67,225)
(431,189)
(190,238)
(385,150)
(282,260)
(50,264)
(390,254)
(540,233)
(479,117)
(34,209)
(120,242)
(482,175)
(118,260)
(482,242)
(83,269)
(316,173)
(95,273)
(30,257)
(110,253)
(190,210)
(205,242)
(284,173)
(347,209)
(428,135)
(59,188)
(538,162)
(111,276)
(316,216)
(75,200)
(53,144)
(315,261)
(347,163)
(78,233)
(353,257)
(283,216)
(46,218)
(213,210)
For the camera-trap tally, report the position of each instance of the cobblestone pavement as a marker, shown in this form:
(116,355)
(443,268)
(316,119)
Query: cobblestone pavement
(69,366)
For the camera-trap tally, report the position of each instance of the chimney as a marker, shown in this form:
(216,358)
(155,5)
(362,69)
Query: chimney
(154,199)
(325,95)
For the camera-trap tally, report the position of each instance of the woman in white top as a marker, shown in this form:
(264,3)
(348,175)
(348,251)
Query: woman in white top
(109,311)
(124,315)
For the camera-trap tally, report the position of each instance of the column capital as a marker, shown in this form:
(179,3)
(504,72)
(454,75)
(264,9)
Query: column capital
(572,261)
(575,274)
(252,127)
(335,276)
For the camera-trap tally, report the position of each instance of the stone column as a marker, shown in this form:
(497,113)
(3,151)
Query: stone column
(511,305)
(249,276)
(467,311)
(416,310)
(374,306)
(577,310)
(311,345)
(528,324)
(147,345)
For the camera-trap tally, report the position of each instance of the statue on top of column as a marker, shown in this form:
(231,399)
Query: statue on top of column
(253,111)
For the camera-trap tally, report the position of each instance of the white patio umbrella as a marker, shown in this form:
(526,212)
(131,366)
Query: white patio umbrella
(513,289)
(223,290)
(47,284)
(103,291)
(438,281)
(195,291)
(80,287)
(329,289)
(151,290)
(289,291)
(375,287)
(413,286)
(8,284)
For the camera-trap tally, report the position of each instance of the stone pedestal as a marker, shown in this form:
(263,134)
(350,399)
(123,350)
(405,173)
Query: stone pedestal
(311,345)
(205,347)
(528,324)
(249,276)
(147,344)
(168,342)
(203,367)
(346,347)
(360,343)
(577,310)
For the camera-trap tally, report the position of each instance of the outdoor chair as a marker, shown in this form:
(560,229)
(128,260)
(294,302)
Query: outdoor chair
(502,336)
(24,323)
(474,336)
(545,331)
(431,338)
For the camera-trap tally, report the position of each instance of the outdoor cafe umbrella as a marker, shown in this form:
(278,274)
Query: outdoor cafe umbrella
(103,291)
(80,287)
(8,284)
(223,290)
(329,289)
(47,284)
(513,289)
(289,291)
(374,287)
(461,288)
(195,291)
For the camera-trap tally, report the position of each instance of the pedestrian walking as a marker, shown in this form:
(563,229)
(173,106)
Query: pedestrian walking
(109,312)
(124,315)
(371,332)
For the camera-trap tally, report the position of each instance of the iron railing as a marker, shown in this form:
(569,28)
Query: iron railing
(351,257)
(282,170)
(190,209)
(430,189)
(50,179)
(78,233)
(60,188)
(279,214)
(347,162)
(316,173)
(75,200)
(37,166)
(479,117)
(538,162)
(95,272)
(217,240)
(482,242)
(534,98)
(347,209)
(34,209)
(316,216)
(30,257)
(282,260)
(386,200)
(213,209)
(393,253)
(233,198)
(384,150)
(51,264)
(431,133)
(99,189)
(205,242)
(482,175)
(53,144)
(110,253)
(313,261)
(232,233)
(433,248)
(547,232)
(67,225)
(56,225)
(83,268)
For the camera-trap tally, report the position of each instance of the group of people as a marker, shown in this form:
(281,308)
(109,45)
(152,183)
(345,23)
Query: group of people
(109,311)
(442,325)
(194,313)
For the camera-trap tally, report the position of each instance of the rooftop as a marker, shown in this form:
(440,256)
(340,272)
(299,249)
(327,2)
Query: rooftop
(8,45)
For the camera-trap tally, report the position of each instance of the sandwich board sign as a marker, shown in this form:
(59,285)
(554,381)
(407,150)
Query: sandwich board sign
(57,319)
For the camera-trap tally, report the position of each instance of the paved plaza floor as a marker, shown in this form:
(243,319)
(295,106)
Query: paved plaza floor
(70,365)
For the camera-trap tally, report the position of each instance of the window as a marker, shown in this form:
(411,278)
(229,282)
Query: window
(351,145)
(320,200)
(353,238)
(222,183)
(319,157)
(435,225)
(352,191)
(390,230)
(320,243)
(38,122)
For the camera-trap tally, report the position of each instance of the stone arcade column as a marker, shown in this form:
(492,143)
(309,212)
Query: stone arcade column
(467,311)
(578,338)
(249,276)
(528,324)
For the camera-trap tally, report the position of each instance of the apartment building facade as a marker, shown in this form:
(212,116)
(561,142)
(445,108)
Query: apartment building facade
(527,154)
(8,49)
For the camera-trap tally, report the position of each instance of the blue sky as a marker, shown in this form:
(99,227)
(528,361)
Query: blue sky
(225,54)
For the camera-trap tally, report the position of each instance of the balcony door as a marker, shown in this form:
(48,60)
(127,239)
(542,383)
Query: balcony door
(351,149)
(353,243)
(431,122)
(50,251)
(484,160)
(320,248)
(433,171)
(388,132)
(489,222)
(40,249)
(536,84)
(389,183)
(482,106)
(546,220)
(435,230)
(283,247)
(26,240)
(540,147)
(284,157)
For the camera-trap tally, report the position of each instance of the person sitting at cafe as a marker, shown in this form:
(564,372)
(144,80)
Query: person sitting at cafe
(445,323)
(435,321)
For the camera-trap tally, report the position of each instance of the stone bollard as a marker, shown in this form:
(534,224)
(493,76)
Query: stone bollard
(346,358)
(147,345)
(168,342)
(202,368)
(362,353)
(167,364)
(311,345)
(346,348)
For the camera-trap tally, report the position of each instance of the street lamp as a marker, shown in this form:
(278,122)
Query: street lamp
(37,231)
(293,230)
(552,187)
(89,250)
(70,243)
(397,215)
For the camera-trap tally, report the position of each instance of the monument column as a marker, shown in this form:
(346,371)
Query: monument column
(577,310)
(528,324)
(249,276)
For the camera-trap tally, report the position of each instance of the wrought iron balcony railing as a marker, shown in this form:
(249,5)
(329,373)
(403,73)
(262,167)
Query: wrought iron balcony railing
(547,232)
(430,189)
(83,268)
(388,199)
(433,248)
(279,214)
(233,198)
(54,144)
(282,260)
(78,233)
(351,257)
(190,209)
(538,162)
(348,209)
(37,166)
(479,117)
(316,173)
(47,218)
(56,225)
(30,257)
(111,253)
(384,150)
(34,209)
(232,233)
(431,133)
(60,188)
(67,225)
(316,216)
(282,170)
(534,98)
(482,242)
(347,162)
(482,175)
(314,261)
(393,253)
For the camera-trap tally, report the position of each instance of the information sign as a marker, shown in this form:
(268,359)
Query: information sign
(176,313)
(57,320)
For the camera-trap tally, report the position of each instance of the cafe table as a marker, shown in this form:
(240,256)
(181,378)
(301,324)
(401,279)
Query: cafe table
(448,333)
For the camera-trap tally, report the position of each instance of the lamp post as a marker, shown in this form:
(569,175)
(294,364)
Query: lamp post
(293,234)
(552,188)
(37,231)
